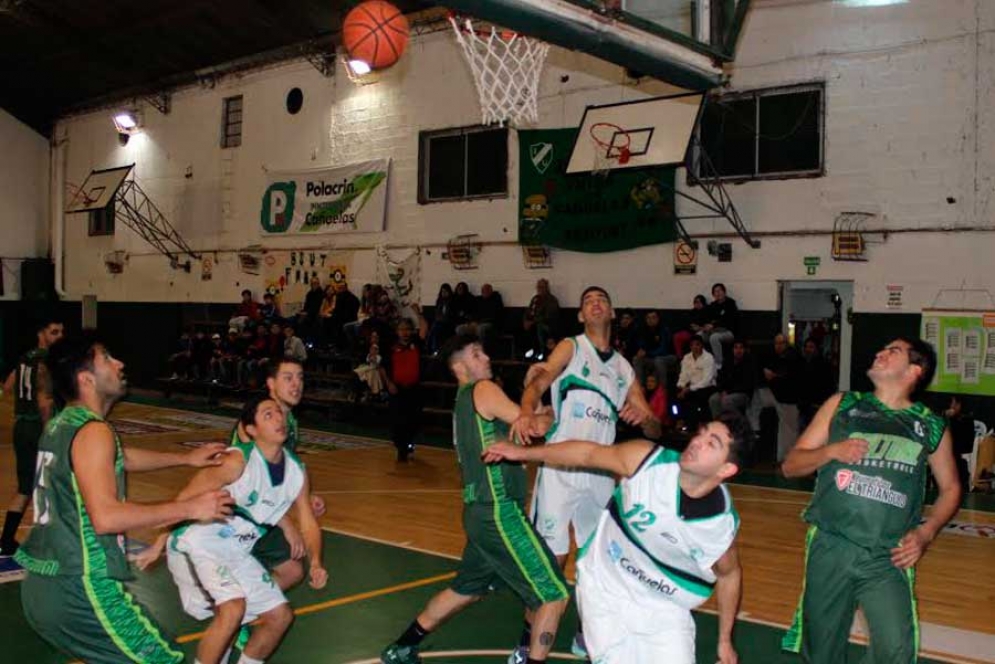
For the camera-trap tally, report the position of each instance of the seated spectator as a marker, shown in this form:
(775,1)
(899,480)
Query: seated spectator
(443,322)
(656,395)
(293,346)
(201,360)
(815,383)
(345,312)
(401,374)
(541,319)
(736,382)
(781,373)
(269,311)
(218,372)
(723,323)
(256,354)
(695,384)
(654,349)
(369,371)
(246,312)
(325,313)
(308,317)
(352,330)
(242,355)
(487,315)
(181,361)
(625,340)
(699,318)
(464,305)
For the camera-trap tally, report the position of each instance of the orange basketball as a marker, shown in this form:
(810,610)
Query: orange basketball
(375,32)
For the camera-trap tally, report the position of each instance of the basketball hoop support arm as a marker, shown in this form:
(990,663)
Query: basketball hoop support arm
(141,215)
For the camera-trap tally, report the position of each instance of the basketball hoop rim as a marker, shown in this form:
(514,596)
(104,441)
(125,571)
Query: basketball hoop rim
(461,21)
(608,146)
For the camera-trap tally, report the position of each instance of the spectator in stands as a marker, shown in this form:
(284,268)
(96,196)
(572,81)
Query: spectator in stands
(293,346)
(181,360)
(366,304)
(256,354)
(369,371)
(654,349)
(216,363)
(696,383)
(383,320)
(201,360)
(225,363)
(401,374)
(345,312)
(464,305)
(308,317)
(723,322)
(246,312)
(815,382)
(541,319)
(961,426)
(487,316)
(736,382)
(698,321)
(269,311)
(656,395)
(781,374)
(246,338)
(625,341)
(325,313)
(443,322)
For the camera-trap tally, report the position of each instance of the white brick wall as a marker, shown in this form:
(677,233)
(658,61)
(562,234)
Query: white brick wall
(909,123)
(24,181)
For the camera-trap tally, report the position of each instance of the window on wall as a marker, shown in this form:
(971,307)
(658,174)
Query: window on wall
(765,134)
(231,132)
(463,163)
(101,221)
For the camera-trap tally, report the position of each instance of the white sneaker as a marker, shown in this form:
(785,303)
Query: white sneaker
(519,655)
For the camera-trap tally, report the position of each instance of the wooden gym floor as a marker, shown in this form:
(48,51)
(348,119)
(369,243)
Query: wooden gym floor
(393,535)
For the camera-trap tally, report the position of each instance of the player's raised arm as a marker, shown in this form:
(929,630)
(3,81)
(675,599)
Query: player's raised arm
(622,459)
(137,460)
(525,425)
(814,449)
(637,412)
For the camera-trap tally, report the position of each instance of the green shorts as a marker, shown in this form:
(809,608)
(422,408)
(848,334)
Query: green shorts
(272,549)
(839,577)
(503,548)
(26,435)
(95,620)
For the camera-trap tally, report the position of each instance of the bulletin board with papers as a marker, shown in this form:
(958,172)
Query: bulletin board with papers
(965,350)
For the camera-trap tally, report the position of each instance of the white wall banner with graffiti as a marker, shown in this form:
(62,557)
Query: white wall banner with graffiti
(287,274)
(401,277)
(350,199)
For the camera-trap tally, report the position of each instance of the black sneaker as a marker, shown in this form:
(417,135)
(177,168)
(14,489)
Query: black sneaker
(9,549)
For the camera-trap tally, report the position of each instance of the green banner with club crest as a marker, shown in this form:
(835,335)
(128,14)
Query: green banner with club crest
(590,213)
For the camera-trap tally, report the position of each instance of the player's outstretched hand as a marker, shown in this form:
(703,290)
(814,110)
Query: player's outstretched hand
(534,371)
(317,505)
(503,452)
(727,654)
(910,549)
(210,506)
(206,455)
(850,450)
(522,429)
(632,415)
(317,577)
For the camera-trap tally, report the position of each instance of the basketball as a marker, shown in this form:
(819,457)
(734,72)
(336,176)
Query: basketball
(375,32)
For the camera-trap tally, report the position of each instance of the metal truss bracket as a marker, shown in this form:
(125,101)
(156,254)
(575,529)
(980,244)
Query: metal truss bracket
(160,101)
(142,216)
(322,61)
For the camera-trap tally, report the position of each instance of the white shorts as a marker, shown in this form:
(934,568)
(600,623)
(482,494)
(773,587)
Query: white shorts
(568,497)
(619,631)
(208,578)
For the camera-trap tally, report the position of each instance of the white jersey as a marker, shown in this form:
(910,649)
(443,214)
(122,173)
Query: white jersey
(259,504)
(588,395)
(644,552)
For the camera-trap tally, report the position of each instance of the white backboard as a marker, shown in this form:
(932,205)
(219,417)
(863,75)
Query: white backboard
(656,132)
(97,190)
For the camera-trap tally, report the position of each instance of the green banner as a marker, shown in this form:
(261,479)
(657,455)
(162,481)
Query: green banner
(965,349)
(583,212)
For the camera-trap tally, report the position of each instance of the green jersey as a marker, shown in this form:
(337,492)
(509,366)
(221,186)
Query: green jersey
(875,501)
(472,434)
(63,541)
(292,434)
(28,382)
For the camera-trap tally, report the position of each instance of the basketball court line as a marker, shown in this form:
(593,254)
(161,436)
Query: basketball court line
(445,654)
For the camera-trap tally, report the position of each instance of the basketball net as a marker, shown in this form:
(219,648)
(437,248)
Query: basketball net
(610,147)
(506,68)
